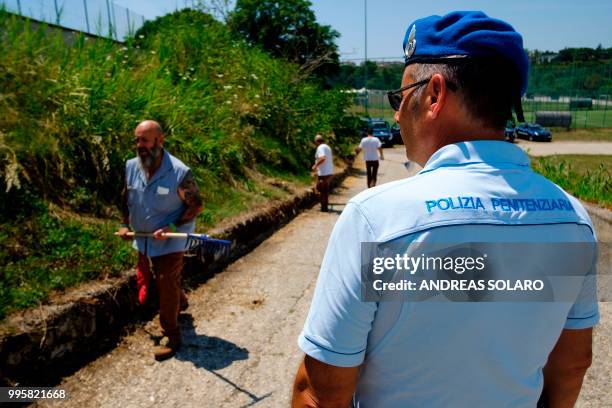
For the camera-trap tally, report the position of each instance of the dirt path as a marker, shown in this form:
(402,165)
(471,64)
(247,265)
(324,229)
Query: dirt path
(565,147)
(241,328)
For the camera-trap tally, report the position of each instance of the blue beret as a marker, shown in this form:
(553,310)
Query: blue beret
(464,34)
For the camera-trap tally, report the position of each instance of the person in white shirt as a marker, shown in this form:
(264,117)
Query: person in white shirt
(372,150)
(324,165)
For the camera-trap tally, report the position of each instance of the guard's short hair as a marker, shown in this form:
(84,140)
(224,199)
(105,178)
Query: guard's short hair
(487,87)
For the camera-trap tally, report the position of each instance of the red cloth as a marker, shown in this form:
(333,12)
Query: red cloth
(143,277)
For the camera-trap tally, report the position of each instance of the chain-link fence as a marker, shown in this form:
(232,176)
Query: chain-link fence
(582,112)
(577,93)
(97,17)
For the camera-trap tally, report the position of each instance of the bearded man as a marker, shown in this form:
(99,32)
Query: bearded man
(160,195)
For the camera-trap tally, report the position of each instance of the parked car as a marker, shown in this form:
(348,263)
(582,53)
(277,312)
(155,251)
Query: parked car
(509,132)
(397,136)
(532,131)
(381,130)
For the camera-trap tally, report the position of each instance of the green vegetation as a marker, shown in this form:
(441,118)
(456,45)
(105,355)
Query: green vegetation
(233,113)
(288,29)
(585,176)
(583,135)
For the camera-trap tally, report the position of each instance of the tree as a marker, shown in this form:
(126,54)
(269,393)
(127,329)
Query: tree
(288,29)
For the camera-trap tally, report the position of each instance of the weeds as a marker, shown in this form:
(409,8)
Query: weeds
(587,177)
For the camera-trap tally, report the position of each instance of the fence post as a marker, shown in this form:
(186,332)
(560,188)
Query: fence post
(603,122)
(19,7)
(129,22)
(110,20)
(86,16)
(57,13)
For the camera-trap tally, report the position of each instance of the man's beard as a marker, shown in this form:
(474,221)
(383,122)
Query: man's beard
(148,157)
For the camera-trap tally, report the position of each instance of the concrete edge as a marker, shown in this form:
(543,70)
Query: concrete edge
(40,346)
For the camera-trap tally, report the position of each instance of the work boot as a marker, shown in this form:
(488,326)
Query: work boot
(165,352)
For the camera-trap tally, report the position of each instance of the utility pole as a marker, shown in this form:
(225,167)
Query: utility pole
(365,61)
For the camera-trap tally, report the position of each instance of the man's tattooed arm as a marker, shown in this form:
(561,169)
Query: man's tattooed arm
(190,194)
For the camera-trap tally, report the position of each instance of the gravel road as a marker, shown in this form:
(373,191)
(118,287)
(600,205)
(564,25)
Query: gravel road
(241,328)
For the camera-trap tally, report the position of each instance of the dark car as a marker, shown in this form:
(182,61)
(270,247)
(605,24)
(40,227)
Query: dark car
(509,134)
(532,131)
(382,131)
(397,136)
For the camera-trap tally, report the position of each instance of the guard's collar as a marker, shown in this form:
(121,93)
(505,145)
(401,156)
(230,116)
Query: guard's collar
(478,151)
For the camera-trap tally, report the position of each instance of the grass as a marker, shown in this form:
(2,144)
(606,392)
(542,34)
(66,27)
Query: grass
(587,177)
(586,135)
(235,115)
(60,253)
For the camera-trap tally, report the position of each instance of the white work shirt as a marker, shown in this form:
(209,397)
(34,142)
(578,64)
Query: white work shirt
(327,167)
(370,146)
(442,354)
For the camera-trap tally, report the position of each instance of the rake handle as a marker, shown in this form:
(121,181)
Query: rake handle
(150,234)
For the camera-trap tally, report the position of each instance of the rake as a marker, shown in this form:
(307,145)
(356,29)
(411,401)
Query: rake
(201,243)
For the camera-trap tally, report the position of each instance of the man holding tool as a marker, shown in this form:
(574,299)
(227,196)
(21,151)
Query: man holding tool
(160,195)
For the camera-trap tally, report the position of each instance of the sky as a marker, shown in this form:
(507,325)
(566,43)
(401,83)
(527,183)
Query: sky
(544,24)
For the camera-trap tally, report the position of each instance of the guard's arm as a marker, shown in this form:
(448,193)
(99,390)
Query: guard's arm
(318,384)
(566,367)
(189,193)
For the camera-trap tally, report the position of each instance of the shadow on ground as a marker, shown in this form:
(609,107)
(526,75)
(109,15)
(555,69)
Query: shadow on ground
(211,354)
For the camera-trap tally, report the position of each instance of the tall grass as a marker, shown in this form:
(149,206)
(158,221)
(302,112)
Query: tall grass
(587,177)
(68,107)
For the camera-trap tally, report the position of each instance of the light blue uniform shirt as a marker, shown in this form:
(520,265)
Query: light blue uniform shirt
(443,354)
(155,203)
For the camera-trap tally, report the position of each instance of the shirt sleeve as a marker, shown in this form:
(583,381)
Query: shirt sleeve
(585,310)
(378,143)
(584,313)
(339,322)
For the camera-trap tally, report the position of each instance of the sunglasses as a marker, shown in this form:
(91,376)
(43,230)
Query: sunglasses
(395,97)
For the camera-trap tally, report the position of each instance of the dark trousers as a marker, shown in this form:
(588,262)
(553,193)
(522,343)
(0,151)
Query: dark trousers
(323,189)
(372,171)
(167,269)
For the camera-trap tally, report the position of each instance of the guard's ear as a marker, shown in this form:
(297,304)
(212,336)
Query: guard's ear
(436,95)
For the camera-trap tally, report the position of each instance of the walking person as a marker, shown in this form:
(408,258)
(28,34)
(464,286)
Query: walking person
(372,151)
(160,195)
(324,166)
